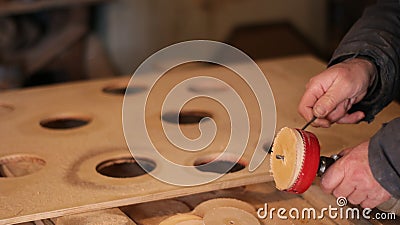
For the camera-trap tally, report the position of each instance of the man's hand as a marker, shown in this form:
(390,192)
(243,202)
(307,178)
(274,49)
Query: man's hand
(331,94)
(351,177)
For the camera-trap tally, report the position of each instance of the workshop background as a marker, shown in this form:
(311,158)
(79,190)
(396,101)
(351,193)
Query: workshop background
(44,42)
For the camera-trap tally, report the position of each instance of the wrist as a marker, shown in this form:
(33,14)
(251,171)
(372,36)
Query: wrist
(367,66)
(370,67)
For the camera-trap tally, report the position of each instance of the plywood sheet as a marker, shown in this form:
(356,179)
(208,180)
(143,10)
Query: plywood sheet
(67,182)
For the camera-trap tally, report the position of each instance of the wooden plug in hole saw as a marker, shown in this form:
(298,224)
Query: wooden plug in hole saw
(295,160)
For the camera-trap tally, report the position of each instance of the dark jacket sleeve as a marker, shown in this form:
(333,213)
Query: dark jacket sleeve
(375,36)
(384,157)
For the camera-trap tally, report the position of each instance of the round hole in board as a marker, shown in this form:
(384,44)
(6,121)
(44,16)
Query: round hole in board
(208,87)
(125,167)
(225,164)
(122,89)
(65,122)
(189,117)
(20,165)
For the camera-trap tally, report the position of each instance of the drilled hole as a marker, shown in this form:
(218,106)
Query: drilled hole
(208,87)
(62,123)
(20,165)
(221,166)
(125,167)
(122,90)
(190,117)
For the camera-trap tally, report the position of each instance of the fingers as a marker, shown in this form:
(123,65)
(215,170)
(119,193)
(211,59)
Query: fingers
(315,89)
(374,202)
(351,177)
(336,97)
(332,93)
(332,118)
(307,102)
(352,118)
(378,196)
(327,108)
(321,123)
(360,197)
(370,203)
(356,197)
(339,111)
(332,178)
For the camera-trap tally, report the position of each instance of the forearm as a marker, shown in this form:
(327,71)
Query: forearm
(384,157)
(375,37)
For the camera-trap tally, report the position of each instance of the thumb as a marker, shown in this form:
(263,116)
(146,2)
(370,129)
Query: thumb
(332,178)
(330,100)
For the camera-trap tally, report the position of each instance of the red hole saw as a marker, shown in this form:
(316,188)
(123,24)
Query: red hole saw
(296,160)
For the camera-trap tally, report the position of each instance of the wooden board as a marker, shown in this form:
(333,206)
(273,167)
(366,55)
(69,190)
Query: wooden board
(69,183)
(105,216)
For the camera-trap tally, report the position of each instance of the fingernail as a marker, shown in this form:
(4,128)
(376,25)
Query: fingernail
(319,110)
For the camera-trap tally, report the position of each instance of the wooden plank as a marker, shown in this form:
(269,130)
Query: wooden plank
(71,156)
(18,7)
(155,212)
(101,217)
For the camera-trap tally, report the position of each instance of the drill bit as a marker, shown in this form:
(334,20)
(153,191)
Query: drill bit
(309,122)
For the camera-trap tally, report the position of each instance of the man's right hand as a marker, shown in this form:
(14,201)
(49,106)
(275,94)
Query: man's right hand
(330,94)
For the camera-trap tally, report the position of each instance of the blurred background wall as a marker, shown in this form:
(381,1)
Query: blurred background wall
(132,30)
(43,42)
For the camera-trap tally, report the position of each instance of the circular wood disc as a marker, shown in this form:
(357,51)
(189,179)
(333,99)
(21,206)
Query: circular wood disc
(209,205)
(179,218)
(229,216)
(191,222)
(288,145)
